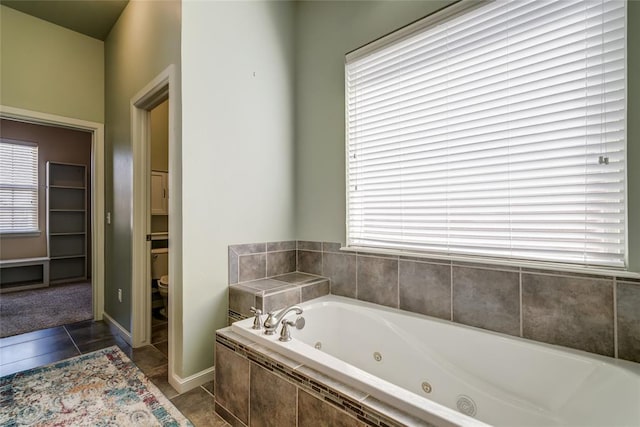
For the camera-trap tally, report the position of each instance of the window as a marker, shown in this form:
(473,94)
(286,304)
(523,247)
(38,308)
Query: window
(492,129)
(18,187)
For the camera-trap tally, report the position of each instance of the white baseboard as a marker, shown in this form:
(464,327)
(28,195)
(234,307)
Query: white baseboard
(183,385)
(126,335)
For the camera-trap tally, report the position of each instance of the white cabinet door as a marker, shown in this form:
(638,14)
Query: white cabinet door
(159,193)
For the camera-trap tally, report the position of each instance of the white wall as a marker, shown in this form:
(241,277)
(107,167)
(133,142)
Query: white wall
(237,150)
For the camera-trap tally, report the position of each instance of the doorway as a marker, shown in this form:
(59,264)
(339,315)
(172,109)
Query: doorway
(159,224)
(46,273)
(94,256)
(155,93)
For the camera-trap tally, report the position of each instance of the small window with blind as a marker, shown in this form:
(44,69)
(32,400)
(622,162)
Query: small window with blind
(18,187)
(495,130)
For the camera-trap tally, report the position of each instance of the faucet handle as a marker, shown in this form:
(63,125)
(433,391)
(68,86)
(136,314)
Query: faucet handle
(257,322)
(285,335)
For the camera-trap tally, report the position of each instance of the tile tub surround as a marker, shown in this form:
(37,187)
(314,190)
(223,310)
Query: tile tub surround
(594,313)
(254,261)
(257,387)
(274,293)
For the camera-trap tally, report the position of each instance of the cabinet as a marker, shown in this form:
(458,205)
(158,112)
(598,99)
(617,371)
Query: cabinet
(66,222)
(159,193)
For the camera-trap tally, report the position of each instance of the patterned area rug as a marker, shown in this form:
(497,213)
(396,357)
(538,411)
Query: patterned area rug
(103,388)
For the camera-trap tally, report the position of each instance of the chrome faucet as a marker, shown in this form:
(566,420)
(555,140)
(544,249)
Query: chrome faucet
(257,321)
(273,319)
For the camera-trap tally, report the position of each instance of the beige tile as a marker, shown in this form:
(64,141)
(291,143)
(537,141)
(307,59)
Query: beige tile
(148,358)
(279,300)
(198,406)
(296,278)
(310,262)
(425,288)
(628,300)
(329,382)
(232,266)
(241,299)
(487,299)
(280,263)
(232,382)
(249,248)
(265,285)
(159,333)
(378,280)
(228,416)
(163,347)
(159,377)
(314,290)
(273,399)
(313,412)
(252,267)
(341,270)
(309,246)
(209,386)
(288,245)
(573,312)
(331,247)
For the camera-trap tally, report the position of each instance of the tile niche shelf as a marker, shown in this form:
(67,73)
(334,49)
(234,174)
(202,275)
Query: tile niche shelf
(66,222)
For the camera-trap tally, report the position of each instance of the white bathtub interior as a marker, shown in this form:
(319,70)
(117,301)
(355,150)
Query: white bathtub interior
(412,361)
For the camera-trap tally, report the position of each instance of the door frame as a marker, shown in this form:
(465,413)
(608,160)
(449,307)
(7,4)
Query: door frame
(97,188)
(156,91)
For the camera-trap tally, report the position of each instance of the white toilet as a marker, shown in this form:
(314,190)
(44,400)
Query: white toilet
(160,272)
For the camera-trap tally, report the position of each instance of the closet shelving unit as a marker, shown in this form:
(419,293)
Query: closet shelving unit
(67,222)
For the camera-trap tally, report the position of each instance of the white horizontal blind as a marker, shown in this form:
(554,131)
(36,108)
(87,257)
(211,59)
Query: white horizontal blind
(18,187)
(497,132)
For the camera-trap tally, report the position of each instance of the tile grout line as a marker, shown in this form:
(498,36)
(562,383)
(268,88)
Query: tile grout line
(322,259)
(238,268)
(521,311)
(451,291)
(398,286)
(249,395)
(357,276)
(615,317)
(71,338)
(206,391)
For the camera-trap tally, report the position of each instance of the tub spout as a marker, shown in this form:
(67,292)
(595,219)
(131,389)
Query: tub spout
(273,319)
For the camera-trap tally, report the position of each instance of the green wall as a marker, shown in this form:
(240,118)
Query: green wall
(47,68)
(325,32)
(238,167)
(144,41)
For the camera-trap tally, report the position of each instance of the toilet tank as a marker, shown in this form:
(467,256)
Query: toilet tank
(159,262)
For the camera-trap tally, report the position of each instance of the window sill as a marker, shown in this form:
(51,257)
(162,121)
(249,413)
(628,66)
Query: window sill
(569,268)
(20,234)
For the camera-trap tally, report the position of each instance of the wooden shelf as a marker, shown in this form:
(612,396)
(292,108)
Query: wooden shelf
(66,221)
(67,187)
(68,234)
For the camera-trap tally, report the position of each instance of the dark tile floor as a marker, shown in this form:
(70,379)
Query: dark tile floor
(38,348)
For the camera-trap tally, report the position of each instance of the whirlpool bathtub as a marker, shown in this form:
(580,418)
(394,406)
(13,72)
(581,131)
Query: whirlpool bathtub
(448,374)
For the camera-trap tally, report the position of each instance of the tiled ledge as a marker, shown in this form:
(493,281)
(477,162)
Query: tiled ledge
(257,386)
(274,293)
(590,312)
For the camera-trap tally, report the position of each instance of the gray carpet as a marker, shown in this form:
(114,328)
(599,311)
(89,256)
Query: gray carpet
(27,311)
